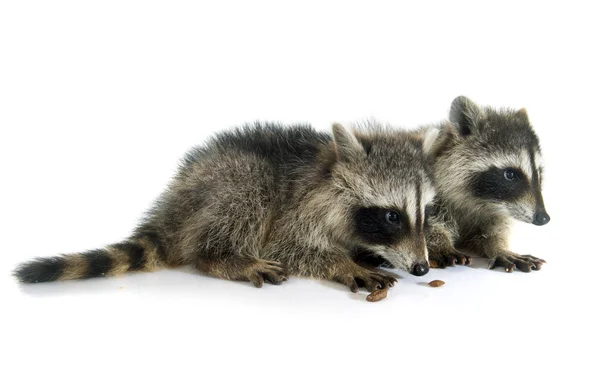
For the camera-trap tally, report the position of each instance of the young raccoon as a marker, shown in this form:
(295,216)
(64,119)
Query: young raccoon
(488,169)
(261,202)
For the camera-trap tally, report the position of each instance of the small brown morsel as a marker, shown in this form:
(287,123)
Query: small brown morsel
(377,295)
(437,283)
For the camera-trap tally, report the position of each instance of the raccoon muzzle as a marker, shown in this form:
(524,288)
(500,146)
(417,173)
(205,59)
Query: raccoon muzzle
(140,254)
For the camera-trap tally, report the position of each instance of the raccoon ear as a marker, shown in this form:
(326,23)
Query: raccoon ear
(347,145)
(429,139)
(466,114)
(522,113)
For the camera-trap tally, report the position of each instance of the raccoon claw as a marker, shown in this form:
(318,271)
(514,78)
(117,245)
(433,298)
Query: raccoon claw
(533,258)
(510,261)
(441,261)
(502,262)
(267,271)
(370,280)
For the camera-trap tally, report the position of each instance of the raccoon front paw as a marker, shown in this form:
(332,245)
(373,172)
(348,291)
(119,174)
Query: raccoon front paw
(266,271)
(510,261)
(442,260)
(360,277)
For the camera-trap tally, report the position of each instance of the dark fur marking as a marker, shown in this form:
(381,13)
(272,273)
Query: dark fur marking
(99,263)
(367,144)
(429,211)
(156,240)
(534,176)
(465,125)
(367,257)
(492,185)
(371,225)
(135,252)
(419,219)
(161,248)
(41,270)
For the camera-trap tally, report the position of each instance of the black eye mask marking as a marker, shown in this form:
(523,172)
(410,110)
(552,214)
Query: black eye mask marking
(501,184)
(374,225)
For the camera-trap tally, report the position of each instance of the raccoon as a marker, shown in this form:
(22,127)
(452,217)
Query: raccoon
(488,171)
(265,201)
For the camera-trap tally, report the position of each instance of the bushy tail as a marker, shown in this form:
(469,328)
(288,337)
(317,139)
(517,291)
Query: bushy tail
(135,254)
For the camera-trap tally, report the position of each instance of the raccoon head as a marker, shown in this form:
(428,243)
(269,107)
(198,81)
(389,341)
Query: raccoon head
(493,162)
(385,180)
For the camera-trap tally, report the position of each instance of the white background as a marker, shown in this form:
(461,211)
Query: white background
(98,101)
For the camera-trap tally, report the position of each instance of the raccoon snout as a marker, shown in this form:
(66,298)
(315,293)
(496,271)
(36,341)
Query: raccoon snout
(420,269)
(541,218)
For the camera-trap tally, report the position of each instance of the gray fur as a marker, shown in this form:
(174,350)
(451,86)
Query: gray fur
(264,201)
(474,206)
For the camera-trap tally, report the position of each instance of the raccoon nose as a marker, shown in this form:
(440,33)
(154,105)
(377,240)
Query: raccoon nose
(541,218)
(420,269)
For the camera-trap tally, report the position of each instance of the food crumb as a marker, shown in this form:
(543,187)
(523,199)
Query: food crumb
(377,295)
(437,283)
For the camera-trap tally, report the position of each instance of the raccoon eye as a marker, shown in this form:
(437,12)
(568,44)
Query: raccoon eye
(392,217)
(510,175)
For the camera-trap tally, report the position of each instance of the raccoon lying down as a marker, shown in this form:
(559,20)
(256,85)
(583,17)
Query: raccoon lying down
(262,202)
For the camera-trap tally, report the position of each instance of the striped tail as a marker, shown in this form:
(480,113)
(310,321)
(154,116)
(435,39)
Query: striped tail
(135,254)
